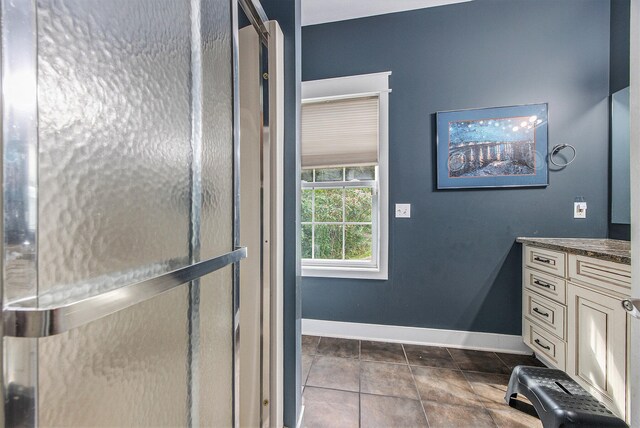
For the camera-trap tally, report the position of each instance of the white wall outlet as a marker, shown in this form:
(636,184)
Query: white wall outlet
(579,210)
(403,210)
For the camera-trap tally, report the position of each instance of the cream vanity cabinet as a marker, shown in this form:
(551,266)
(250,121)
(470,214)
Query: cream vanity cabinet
(573,319)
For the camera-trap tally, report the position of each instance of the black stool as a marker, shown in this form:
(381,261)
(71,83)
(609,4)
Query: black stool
(558,399)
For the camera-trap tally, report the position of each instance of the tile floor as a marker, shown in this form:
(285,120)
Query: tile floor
(353,383)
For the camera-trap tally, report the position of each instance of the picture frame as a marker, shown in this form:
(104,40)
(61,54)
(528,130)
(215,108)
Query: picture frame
(493,147)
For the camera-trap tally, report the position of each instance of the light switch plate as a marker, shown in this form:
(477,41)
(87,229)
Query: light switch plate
(579,210)
(403,210)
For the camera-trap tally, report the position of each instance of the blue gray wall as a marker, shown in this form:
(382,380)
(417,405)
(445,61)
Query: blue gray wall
(454,264)
(620,36)
(619,77)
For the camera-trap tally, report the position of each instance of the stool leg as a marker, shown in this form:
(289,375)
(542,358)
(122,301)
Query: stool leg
(512,388)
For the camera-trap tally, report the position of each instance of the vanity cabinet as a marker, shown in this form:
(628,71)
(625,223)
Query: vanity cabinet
(597,345)
(544,308)
(572,318)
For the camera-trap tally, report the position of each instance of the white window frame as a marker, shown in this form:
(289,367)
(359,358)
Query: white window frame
(348,87)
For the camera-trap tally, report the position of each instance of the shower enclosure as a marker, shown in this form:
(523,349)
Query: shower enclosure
(121,241)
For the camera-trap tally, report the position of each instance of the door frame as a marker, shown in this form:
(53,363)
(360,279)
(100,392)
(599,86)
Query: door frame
(271,37)
(634,110)
(275,45)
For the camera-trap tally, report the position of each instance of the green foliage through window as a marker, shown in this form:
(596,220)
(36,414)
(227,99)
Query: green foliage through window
(337,221)
(328,205)
(359,238)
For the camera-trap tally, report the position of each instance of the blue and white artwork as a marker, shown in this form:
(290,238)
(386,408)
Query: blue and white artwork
(493,147)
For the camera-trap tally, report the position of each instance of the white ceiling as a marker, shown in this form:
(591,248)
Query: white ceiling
(321,11)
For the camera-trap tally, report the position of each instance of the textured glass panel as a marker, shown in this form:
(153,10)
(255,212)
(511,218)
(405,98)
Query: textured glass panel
(357,242)
(305,239)
(217,131)
(128,369)
(114,142)
(328,241)
(360,173)
(328,204)
(216,306)
(215,369)
(329,174)
(358,204)
(306,208)
(115,169)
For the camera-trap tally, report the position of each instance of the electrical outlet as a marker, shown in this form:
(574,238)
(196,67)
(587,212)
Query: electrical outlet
(403,210)
(579,210)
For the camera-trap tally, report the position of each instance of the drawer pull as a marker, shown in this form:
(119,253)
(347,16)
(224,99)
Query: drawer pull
(548,348)
(542,260)
(538,311)
(542,284)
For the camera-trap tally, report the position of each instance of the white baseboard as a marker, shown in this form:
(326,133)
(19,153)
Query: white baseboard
(416,336)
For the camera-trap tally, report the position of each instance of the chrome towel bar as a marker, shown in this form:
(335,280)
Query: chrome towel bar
(43,322)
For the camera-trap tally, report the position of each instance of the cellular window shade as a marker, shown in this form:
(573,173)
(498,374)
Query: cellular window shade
(340,132)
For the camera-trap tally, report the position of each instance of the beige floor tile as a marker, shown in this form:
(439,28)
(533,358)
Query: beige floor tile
(335,373)
(382,352)
(330,408)
(309,344)
(479,361)
(512,360)
(444,386)
(514,419)
(430,356)
(386,412)
(335,347)
(306,361)
(447,416)
(387,379)
(490,388)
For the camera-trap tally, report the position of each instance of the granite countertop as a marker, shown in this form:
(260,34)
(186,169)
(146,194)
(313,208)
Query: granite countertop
(605,249)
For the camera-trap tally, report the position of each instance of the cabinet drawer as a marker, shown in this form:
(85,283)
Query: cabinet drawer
(545,260)
(542,342)
(600,273)
(548,285)
(549,314)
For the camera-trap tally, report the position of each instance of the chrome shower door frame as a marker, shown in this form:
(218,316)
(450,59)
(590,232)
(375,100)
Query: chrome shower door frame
(19,202)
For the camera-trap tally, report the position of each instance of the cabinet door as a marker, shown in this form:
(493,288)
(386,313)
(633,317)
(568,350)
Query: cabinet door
(597,346)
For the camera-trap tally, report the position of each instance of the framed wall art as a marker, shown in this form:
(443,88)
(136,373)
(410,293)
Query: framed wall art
(492,147)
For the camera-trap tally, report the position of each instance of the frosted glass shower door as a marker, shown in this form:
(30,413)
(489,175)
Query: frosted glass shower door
(119,247)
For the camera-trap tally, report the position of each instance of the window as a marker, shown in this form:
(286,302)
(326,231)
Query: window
(344,204)
(337,215)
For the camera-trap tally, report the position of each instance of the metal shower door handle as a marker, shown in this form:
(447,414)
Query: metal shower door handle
(44,322)
(632,306)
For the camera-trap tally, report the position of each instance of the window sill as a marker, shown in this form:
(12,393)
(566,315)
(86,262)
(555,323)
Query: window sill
(344,272)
